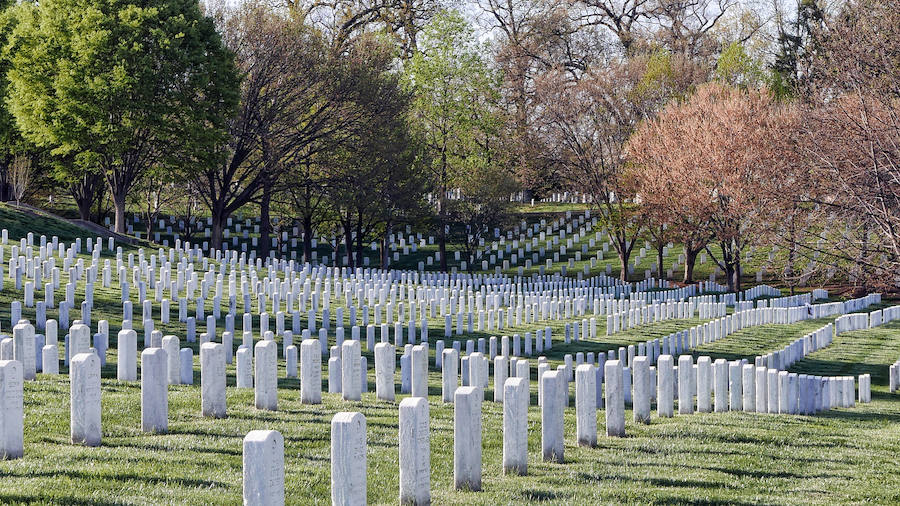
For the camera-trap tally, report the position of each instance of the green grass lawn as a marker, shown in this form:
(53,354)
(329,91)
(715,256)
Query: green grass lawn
(842,456)
(846,455)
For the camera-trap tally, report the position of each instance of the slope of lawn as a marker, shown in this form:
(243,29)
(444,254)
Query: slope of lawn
(843,456)
(846,455)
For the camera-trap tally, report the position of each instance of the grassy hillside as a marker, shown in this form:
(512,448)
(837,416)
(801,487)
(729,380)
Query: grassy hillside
(843,456)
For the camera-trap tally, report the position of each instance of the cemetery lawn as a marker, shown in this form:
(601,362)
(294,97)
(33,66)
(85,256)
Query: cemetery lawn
(840,456)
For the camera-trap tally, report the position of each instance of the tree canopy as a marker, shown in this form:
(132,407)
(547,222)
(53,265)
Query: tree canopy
(120,88)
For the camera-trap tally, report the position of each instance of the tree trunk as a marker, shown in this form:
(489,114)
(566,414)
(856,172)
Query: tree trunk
(384,245)
(659,262)
(727,264)
(623,262)
(442,244)
(99,199)
(690,259)
(119,203)
(863,280)
(307,238)
(84,205)
(348,239)
(265,221)
(5,190)
(442,213)
(218,228)
(359,242)
(729,277)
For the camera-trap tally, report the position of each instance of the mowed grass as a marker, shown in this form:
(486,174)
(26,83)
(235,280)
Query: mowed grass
(847,455)
(843,456)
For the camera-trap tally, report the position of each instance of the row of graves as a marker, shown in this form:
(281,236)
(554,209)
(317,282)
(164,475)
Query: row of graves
(570,244)
(705,386)
(681,303)
(533,244)
(809,268)
(405,309)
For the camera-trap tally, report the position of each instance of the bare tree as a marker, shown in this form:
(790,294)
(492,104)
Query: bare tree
(685,26)
(291,95)
(345,20)
(186,209)
(588,122)
(623,18)
(852,135)
(20,176)
(159,189)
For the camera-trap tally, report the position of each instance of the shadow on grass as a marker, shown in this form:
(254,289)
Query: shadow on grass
(144,446)
(838,368)
(119,476)
(543,495)
(35,499)
(660,482)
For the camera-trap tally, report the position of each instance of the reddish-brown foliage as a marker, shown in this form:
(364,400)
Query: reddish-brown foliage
(711,165)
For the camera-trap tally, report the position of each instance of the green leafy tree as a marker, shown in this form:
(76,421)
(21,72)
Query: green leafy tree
(796,47)
(454,93)
(375,181)
(121,88)
(737,68)
(11,142)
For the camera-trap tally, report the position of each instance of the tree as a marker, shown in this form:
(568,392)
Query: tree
(797,44)
(736,68)
(851,136)
(372,177)
(120,87)
(278,61)
(160,188)
(87,190)
(623,18)
(714,157)
(660,234)
(685,27)
(345,20)
(186,208)
(533,37)
(484,204)
(308,196)
(454,91)
(20,177)
(587,123)
(11,141)
(668,218)
(294,103)
(682,27)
